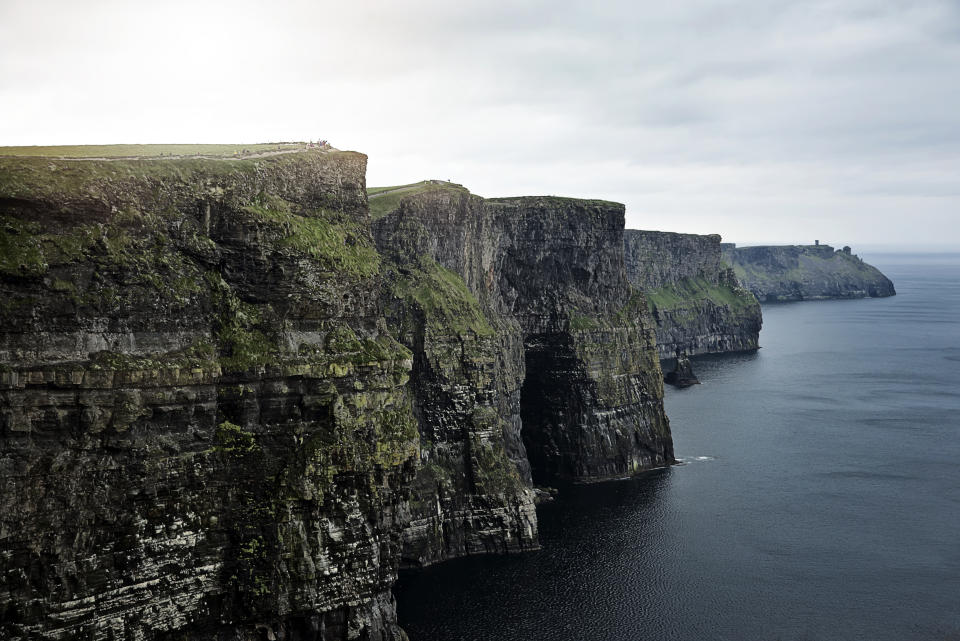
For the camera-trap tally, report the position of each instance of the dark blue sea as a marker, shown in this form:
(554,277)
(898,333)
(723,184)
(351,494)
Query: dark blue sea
(819,497)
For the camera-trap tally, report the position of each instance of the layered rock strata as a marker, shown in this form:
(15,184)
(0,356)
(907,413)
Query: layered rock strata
(473,491)
(806,272)
(550,272)
(206,428)
(225,415)
(694,297)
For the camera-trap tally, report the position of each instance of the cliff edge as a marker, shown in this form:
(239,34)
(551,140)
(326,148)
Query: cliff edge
(205,427)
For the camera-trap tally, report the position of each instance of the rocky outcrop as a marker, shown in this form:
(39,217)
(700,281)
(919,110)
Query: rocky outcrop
(550,272)
(805,272)
(225,415)
(694,297)
(682,373)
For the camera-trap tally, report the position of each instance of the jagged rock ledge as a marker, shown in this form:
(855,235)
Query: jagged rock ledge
(682,373)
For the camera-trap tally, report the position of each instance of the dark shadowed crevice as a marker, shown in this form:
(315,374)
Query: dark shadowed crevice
(549,406)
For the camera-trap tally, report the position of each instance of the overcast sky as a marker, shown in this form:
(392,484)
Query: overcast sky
(761,120)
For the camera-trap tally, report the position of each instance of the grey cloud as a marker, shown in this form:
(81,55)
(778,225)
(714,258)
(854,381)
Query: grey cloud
(705,115)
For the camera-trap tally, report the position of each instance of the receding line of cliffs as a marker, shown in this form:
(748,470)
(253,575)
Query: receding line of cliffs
(805,272)
(704,295)
(236,396)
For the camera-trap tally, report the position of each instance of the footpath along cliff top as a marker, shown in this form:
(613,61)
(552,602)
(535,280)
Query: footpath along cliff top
(131,152)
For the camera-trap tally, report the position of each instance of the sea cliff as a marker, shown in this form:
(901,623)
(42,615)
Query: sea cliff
(231,405)
(694,298)
(805,272)
(206,426)
(550,271)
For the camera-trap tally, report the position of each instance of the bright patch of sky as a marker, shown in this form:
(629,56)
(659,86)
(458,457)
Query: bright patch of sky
(761,120)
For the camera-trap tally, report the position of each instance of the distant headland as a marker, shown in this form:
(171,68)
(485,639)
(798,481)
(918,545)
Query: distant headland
(805,272)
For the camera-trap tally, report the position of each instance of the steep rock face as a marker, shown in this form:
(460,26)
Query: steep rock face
(592,397)
(473,492)
(225,415)
(694,297)
(205,430)
(549,272)
(806,272)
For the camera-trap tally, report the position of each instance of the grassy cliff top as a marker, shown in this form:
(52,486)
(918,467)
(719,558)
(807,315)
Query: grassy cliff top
(153,151)
(56,178)
(557,201)
(384,200)
(669,235)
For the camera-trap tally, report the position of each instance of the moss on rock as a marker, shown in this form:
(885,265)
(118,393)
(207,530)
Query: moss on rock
(442,297)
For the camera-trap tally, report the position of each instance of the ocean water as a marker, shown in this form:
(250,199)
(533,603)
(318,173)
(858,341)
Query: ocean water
(819,497)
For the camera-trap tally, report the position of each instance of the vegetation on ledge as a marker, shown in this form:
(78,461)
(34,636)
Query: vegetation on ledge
(343,244)
(557,201)
(689,291)
(443,297)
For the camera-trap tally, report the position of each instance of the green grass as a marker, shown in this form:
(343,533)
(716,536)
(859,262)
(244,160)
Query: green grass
(373,191)
(384,200)
(691,290)
(494,473)
(581,322)
(145,151)
(443,297)
(554,201)
(414,187)
(341,243)
(233,438)
(122,181)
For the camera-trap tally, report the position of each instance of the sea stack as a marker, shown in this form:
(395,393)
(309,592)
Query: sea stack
(682,374)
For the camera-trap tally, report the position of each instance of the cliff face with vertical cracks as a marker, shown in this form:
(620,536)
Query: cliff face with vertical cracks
(473,491)
(224,414)
(805,272)
(694,297)
(549,272)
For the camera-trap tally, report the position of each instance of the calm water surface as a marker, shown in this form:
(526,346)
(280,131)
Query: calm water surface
(819,499)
